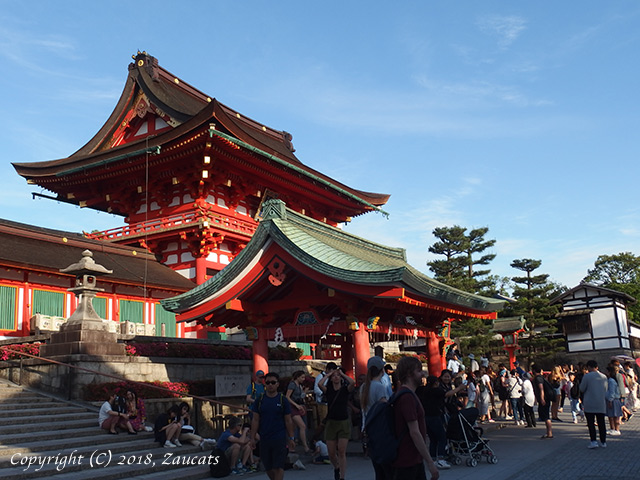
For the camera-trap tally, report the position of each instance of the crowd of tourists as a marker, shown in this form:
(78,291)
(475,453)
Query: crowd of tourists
(278,419)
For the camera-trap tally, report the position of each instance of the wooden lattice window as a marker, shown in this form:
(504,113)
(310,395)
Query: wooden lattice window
(576,324)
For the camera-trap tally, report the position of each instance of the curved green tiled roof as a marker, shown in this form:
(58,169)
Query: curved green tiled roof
(336,254)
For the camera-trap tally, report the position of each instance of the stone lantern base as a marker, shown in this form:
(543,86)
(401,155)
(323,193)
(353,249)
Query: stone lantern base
(89,338)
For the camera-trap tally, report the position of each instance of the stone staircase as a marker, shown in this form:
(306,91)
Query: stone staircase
(62,440)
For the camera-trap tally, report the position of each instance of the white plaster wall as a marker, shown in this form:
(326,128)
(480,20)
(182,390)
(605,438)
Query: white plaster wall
(580,346)
(603,323)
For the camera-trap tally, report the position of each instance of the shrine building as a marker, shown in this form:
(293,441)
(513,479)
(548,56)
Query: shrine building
(189,176)
(224,201)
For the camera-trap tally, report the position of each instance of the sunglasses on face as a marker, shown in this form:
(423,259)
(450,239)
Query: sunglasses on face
(270,382)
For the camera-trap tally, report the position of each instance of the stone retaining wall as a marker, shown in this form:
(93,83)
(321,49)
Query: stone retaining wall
(68,382)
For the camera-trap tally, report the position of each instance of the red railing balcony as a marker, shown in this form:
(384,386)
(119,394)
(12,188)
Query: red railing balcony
(176,222)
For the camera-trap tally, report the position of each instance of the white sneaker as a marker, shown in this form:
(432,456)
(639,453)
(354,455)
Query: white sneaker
(168,444)
(615,432)
(443,464)
(593,445)
(299,465)
(575,420)
(148,429)
(177,443)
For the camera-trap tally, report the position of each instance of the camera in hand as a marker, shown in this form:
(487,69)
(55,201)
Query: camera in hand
(119,404)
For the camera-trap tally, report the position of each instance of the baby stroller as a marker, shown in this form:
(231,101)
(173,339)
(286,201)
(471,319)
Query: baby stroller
(465,440)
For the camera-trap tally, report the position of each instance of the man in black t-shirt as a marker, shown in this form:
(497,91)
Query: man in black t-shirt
(544,403)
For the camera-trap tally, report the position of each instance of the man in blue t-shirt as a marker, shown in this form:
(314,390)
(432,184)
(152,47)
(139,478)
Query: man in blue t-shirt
(272,421)
(235,444)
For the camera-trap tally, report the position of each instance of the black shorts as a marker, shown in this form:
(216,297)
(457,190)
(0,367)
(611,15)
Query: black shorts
(273,453)
(543,412)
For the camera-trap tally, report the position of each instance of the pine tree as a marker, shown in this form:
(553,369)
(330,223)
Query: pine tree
(460,250)
(452,244)
(533,294)
(477,244)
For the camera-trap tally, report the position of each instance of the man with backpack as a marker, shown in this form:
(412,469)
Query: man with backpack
(255,388)
(272,420)
(410,425)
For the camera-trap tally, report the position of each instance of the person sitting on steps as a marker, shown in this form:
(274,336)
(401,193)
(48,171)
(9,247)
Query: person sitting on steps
(109,418)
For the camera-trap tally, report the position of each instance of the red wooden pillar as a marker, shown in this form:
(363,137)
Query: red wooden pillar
(511,351)
(433,354)
(201,270)
(261,352)
(363,350)
(347,354)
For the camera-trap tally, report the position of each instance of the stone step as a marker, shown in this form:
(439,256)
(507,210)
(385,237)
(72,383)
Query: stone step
(29,405)
(114,443)
(54,409)
(24,397)
(45,426)
(103,464)
(49,425)
(66,439)
(25,420)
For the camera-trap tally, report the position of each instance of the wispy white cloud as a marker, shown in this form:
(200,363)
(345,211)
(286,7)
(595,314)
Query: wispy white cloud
(29,49)
(505,28)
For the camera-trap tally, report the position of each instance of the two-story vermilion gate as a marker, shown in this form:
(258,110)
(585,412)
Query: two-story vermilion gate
(193,179)
(308,278)
(189,174)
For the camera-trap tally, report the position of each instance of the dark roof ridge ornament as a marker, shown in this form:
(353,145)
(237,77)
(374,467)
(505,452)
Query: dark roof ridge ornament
(287,137)
(274,208)
(150,64)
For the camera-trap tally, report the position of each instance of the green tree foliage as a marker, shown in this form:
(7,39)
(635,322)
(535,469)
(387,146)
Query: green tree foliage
(451,244)
(462,253)
(620,272)
(533,293)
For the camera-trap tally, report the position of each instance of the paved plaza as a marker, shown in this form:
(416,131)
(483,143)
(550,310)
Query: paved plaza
(522,455)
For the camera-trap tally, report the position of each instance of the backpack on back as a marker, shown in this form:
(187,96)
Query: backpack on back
(380,427)
(549,392)
(219,467)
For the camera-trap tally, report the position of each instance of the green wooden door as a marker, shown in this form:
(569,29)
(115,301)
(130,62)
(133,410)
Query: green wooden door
(168,319)
(48,303)
(8,308)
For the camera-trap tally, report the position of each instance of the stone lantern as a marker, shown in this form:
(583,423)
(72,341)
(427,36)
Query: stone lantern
(84,332)
(86,271)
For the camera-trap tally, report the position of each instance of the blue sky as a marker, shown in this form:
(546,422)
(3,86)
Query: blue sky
(518,116)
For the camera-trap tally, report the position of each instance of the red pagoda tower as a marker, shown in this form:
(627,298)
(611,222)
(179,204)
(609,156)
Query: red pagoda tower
(189,175)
